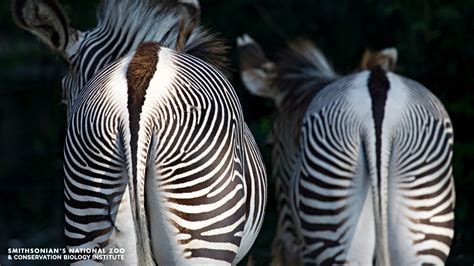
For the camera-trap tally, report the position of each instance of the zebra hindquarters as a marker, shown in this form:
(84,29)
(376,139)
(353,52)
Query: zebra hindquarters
(256,193)
(195,188)
(420,186)
(332,196)
(98,211)
(196,203)
(210,207)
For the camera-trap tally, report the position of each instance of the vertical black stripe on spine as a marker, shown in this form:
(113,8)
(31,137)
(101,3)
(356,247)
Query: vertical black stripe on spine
(378,85)
(140,71)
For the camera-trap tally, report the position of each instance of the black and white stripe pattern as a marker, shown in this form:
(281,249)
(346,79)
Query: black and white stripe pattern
(404,166)
(367,177)
(200,179)
(123,25)
(158,159)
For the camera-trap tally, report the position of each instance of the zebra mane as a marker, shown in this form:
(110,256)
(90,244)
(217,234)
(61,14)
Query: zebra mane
(303,71)
(159,21)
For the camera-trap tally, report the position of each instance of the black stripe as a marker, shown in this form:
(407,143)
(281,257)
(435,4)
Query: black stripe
(223,255)
(378,88)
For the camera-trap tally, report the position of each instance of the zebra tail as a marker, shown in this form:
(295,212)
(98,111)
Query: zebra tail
(379,161)
(380,197)
(140,73)
(136,172)
(144,236)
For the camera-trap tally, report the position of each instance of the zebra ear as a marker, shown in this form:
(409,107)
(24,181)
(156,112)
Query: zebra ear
(385,58)
(256,70)
(45,19)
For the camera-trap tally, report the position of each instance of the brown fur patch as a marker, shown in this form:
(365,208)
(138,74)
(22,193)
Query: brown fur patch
(372,59)
(140,71)
(203,45)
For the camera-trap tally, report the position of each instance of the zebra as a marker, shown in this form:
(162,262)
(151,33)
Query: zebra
(362,163)
(158,160)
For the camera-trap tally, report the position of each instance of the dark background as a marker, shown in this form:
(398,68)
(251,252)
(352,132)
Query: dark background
(435,41)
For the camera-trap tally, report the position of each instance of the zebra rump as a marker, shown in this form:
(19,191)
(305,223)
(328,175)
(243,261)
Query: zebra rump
(158,160)
(193,169)
(362,164)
